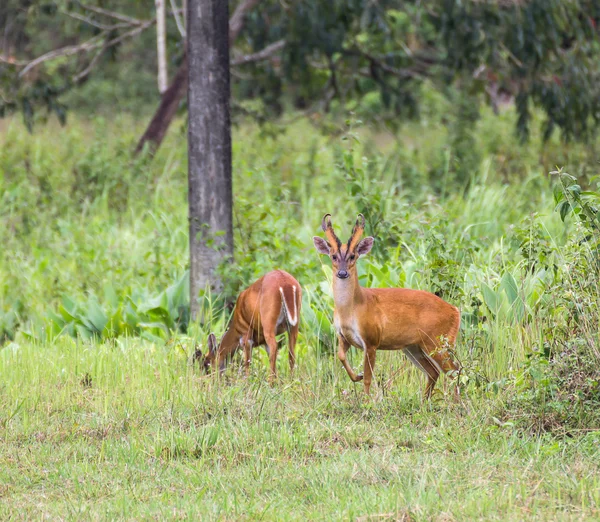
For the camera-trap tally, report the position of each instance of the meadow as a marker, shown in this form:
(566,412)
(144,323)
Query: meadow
(103,415)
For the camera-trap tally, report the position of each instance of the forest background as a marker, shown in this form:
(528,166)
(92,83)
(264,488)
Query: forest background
(465,132)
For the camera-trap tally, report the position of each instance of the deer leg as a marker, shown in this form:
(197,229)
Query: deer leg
(247,343)
(369,367)
(343,347)
(418,357)
(292,336)
(446,362)
(271,342)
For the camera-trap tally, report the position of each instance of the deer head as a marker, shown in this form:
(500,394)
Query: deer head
(207,361)
(343,256)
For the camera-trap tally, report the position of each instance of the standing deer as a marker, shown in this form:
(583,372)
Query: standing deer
(417,322)
(267,308)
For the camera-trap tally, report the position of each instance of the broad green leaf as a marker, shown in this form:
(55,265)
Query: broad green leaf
(491,298)
(110,296)
(69,306)
(509,285)
(96,316)
(157,306)
(83,332)
(155,325)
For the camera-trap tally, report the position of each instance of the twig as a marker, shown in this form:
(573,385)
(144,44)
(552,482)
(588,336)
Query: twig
(131,33)
(113,14)
(236,22)
(264,54)
(91,44)
(80,77)
(400,73)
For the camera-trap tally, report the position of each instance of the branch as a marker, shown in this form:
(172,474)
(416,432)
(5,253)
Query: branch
(131,33)
(93,23)
(264,54)
(113,14)
(165,113)
(236,22)
(82,76)
(400,73)
(92,43)
(178,22)
(161,46)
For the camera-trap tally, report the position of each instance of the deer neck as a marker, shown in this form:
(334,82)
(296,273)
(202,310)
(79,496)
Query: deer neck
(229,341)
(347,293)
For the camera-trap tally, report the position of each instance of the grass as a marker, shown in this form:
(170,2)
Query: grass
(130,430)
(120,426)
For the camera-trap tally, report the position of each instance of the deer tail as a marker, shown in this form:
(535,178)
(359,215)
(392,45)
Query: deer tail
(290,303)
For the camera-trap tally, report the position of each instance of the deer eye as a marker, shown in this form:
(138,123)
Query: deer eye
(352,257)
(334,257)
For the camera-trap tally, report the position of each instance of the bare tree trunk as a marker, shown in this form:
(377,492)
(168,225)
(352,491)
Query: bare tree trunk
(209,145)
(161,45)
(162,118)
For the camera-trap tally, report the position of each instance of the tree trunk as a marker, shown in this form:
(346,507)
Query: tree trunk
(161,46)
(209,145)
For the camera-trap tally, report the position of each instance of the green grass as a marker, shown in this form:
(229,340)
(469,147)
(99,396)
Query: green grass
(116,424)
(130,430)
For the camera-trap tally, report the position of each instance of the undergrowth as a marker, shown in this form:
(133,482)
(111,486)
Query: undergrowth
(95,244)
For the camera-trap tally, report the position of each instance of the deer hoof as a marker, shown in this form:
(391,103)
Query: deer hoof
(359,377)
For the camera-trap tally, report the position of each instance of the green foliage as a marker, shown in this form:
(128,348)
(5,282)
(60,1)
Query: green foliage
(156,440)
(377,59)
(104,253)
(132,314)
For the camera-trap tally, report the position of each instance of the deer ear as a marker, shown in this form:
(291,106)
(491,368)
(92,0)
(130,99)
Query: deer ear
(212,343)
(197,357)
(365,246)
(321,245)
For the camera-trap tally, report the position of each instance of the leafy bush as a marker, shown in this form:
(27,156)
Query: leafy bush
(560,379)
(154,318)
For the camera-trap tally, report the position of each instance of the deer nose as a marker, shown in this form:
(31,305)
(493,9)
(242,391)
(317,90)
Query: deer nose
(342,274)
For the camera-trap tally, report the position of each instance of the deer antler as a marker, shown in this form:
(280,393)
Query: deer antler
(357,232)
(327,227)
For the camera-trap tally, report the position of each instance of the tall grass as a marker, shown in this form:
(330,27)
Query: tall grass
(131,430)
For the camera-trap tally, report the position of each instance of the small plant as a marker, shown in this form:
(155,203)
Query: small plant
(370,191)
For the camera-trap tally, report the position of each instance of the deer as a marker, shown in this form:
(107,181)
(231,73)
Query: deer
(417,322)
(264,310)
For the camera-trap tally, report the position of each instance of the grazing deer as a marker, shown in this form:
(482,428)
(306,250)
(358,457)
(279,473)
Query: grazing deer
(415,321)
(267,308)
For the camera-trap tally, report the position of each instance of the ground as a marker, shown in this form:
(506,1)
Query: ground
(131,430)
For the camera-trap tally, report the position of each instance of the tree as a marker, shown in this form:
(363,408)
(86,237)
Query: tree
(161,45)
(174,95)
(209,144)
(364,56)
